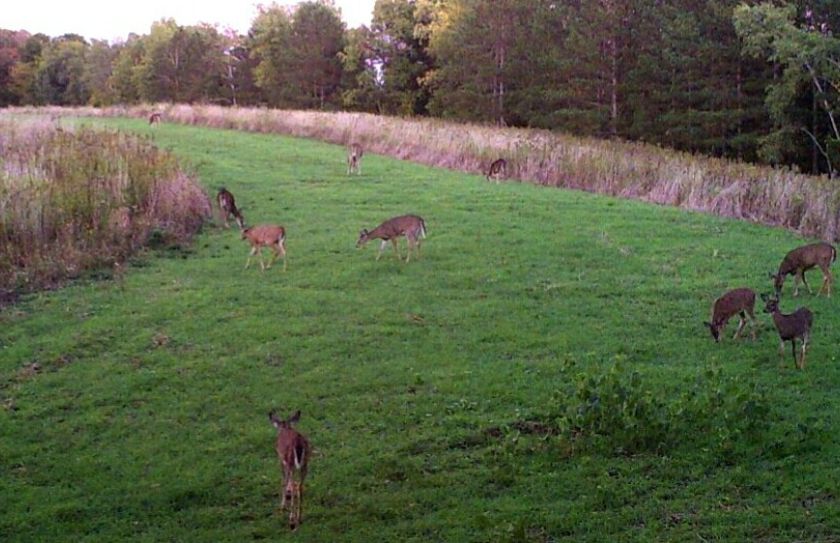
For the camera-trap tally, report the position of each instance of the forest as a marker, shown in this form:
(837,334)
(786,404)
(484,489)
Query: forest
(754,81)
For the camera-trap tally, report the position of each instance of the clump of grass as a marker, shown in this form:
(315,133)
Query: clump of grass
(76,199)
(772,196)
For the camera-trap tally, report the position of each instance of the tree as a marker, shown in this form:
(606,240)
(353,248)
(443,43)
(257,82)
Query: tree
(808,59)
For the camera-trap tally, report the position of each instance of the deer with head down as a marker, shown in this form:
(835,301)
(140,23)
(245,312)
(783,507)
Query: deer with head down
(293,451)
(741,302)
(802,259)
(410,226)
(227,208)
(793,326)
(266,235)
(497,169)
(354,158)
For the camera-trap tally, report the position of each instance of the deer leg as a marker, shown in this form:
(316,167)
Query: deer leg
(752,322)
(741,323)
(796,279)
(410,244)
(806,282)
(282,247)
(781,351)
(250,256)
(396,248)
(793,348)
(381,248)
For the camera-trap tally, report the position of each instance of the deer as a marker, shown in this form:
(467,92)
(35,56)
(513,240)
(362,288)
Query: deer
(497,168)
(293,451)
(227,207)
(266,235)
(802,259)
(410,226)
(790,327)
(354,158)
(739,301)
(155,118)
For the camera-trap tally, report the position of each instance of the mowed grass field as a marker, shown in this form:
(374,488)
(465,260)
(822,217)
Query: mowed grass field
(147,420)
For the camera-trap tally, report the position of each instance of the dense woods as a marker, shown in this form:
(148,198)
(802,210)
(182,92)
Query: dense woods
(748,80)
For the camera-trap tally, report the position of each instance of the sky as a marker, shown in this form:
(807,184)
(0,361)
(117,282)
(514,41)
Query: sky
(114,20)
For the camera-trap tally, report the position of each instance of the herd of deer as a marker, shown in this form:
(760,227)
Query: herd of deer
(293,448)
(793,326)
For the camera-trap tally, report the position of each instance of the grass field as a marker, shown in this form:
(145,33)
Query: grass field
(428,390)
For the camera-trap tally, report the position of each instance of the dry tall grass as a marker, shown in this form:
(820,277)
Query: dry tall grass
(778,197)
(72,200)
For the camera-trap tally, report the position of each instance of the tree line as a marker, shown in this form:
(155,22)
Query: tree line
(748,80)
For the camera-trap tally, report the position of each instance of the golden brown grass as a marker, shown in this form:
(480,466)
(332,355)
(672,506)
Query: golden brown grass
(771,196)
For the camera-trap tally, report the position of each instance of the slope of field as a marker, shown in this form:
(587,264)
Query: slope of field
(145,417)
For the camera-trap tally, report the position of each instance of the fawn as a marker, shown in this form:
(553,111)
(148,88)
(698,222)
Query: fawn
(497,168)
(293,451)
(266,235)
(354,159)
(227,207)
(739,301)
(802,259)
(410,226)
(790,327)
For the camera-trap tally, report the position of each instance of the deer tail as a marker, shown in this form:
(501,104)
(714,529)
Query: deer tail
(300,455)
(833,254)
(423,228)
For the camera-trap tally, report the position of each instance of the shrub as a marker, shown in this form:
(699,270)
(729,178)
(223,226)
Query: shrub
(71,200)
(617,412)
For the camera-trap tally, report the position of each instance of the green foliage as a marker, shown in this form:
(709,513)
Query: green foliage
(617,412)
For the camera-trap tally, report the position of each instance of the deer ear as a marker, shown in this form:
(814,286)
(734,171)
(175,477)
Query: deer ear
(707,323)
(273,418)
(295,417)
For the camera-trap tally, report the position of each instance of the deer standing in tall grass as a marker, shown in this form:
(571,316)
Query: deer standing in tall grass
(410,226)
(354,158)
(293,451)
(802,259)
(790,327)
(227,207)
(497,168)
(739,301)
(266,235)
(155,118)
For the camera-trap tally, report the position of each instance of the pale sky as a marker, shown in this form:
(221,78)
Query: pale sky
(114,19)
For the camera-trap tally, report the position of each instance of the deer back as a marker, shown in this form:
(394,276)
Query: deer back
(732,303)
(397,226)
(264,234)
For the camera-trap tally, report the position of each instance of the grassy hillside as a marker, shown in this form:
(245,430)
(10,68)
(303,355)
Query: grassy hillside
(430,391)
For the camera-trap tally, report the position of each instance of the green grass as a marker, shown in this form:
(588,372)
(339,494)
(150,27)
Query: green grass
(148,419)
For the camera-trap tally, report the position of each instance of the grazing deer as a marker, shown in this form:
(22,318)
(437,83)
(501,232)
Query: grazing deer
(741,302)
(497,169)
(227,207)
(790,327)
(802,259)
(154,118)
(293,451)
(354,158)
(266,235)
(410,226)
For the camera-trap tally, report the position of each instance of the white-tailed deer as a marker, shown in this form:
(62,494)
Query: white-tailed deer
(802,259)
(354,158)
(410,226)
(293,452)
(741,302)
(227,207)
(790,327)
(266,235)
(497,169)
(155,118)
